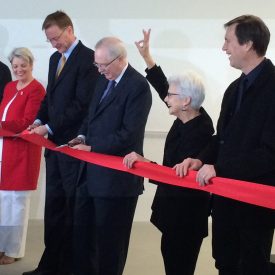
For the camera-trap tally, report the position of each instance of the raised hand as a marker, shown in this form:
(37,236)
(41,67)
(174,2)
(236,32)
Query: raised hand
(143,47)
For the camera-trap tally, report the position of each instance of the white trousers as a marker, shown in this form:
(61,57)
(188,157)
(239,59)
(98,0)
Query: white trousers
(14,215)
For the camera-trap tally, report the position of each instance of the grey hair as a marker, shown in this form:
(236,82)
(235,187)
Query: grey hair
(23,53)
(114,45)
(189,84)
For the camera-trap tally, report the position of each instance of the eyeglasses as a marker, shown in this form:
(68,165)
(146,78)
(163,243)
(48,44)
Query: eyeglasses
(170,94)
(55,39)
(104,66)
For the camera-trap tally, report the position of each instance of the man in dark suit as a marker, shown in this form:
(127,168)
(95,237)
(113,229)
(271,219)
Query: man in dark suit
(106,198)
(71,81)
(5,77)
(244,149)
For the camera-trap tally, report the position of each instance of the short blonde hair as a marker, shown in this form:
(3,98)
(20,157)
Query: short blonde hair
(23,53)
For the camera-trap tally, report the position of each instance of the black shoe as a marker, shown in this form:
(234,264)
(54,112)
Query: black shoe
(37,272)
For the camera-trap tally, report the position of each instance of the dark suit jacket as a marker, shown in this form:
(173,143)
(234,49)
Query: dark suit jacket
(244,147)
(5,77)
(68,96)
(116,127)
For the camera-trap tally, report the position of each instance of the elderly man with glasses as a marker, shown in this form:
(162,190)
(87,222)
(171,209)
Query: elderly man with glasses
(106,198)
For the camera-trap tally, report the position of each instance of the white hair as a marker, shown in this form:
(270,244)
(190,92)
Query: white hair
(189,84)
(114,45)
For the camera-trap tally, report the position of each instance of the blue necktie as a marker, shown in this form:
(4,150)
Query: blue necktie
(109,88)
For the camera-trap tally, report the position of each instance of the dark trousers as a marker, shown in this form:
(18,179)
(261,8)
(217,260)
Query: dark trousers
(241,251)
(180,252)
(102,230)
(61,179)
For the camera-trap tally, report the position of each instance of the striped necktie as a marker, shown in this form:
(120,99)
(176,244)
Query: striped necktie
(61,65)
(110,87)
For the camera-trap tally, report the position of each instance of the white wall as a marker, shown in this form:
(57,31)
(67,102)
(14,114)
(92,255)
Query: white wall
(185,35)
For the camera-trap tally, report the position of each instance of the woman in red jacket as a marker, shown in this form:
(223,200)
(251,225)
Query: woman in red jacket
(19,160)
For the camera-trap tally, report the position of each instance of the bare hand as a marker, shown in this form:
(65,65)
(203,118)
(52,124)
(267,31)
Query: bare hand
(33,126)
(205,174)
(82,147)
(76,141)
(144,49)
(40,130)
(131,158)
(188,164)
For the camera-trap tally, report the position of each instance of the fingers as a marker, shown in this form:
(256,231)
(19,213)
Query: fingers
(146,35)
(128,162)
(139,44)
(32,126)
(40,130)
(178,169)
(75,142)
(130,159)
(205,174)
(143,43)
(82,147)
(183,167)
(201,179)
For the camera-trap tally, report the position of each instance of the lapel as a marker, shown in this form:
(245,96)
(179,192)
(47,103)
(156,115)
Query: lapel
(102,84)
(52,70)
(251,95)
(69,63)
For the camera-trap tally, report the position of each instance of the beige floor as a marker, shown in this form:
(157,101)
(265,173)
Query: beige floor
(144,256)
(143,259)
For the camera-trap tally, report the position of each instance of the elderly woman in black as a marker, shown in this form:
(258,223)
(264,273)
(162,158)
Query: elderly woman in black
(181,214)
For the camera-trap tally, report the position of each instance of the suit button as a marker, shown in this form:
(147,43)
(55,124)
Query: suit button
(221,141)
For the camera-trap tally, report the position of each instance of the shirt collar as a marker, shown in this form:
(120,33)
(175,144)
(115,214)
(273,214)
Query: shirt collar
(254,73)
(121,74)
(71,48)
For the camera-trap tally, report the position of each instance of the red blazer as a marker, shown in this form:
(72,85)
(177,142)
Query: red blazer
(20,159)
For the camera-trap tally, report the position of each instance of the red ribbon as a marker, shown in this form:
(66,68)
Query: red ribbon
(252,193)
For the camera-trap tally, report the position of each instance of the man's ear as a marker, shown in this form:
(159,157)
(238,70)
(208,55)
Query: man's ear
(249,45)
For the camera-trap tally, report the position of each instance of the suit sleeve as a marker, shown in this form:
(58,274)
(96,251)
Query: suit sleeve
(210,153)
(78,107)
(84,126)
(32,106)
(42,114)
(258,161)
(158,80)
(82,82)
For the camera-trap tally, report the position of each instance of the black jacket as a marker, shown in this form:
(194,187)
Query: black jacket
(244,147)
(179,208)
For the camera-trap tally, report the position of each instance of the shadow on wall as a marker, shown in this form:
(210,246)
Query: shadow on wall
(4,34)
(166,39)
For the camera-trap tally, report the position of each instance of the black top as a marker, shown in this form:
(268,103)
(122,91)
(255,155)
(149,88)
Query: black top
(175,207)
(5,77)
